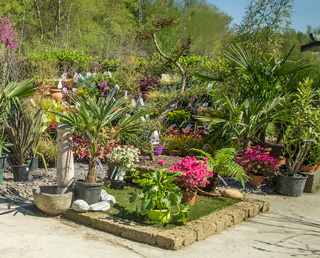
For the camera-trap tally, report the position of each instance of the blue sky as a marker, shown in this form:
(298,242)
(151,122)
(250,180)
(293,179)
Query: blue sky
(305,12)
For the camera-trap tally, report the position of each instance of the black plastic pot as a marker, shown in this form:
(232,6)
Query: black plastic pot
(20,172)
(89,192)
(4,162)
(117,184)
(33,164)
(291,185)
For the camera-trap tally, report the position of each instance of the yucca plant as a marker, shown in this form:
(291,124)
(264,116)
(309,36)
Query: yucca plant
(90,116)
(223,163)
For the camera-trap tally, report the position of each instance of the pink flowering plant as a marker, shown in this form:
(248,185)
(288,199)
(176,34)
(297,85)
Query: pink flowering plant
(256,163)
(194,175)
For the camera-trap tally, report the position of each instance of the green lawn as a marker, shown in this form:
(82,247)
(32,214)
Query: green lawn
(124,209)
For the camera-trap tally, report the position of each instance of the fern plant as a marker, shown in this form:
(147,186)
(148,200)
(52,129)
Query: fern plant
(223,163)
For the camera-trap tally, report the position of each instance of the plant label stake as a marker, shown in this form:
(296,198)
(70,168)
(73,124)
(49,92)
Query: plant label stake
(114,171)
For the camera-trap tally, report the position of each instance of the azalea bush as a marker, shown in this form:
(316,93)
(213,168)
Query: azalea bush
(194,175)
(256,163)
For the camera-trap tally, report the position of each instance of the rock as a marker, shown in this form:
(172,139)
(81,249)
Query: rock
(232,193)
(104,196)
(100,206)
(80,206)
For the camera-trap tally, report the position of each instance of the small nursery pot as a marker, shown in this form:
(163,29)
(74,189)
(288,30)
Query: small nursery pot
(158,150)
(20,172)
(33,164)
(159,215)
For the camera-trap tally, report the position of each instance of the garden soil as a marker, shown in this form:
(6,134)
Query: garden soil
(290,229)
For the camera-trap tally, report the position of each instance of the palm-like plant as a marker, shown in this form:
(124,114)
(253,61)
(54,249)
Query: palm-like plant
(263,80)
(21,133)
(223,163)
(90,116)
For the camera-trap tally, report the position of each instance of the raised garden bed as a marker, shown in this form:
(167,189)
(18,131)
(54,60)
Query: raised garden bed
(126,210)
(176,237)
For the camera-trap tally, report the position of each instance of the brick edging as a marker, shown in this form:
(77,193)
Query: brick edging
(176,238)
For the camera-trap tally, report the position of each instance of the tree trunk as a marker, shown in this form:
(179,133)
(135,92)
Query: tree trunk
(246,142)
(40,19)
(174,62)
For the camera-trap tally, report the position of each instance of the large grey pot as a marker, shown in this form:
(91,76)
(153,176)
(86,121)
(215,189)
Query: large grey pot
(291,185)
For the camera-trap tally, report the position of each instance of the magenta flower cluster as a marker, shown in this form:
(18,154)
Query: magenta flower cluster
(254,162)
(103,87)
(7,34)
(195,173)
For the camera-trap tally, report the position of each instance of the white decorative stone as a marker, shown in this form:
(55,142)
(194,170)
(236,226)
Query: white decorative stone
(104,196)
(80,206)
(100,206)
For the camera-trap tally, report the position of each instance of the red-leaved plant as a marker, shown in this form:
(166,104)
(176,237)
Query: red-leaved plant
(256,163)
(195,173)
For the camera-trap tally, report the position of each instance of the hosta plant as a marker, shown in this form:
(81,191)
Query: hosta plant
(160,193)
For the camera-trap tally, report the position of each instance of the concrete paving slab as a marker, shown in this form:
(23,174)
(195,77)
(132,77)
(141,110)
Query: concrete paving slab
(290,229)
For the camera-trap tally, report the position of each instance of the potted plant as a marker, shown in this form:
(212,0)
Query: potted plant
(33,159)
(89,116)
(123,159)
(4,148)
(223,163)
(160,197)
(21,133)
(258,165)
(302,132)
(312,161)
(194,174)
(147,83)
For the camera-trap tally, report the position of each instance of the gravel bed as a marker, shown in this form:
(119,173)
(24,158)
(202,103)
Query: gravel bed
(22,191)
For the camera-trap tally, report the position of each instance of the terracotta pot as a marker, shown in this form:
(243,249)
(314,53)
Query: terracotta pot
(189,197)
(282,161)
(56,94)
(255,180)
(144,95)
(308,169)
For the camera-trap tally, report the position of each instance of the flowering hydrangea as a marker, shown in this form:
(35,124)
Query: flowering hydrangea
(126,156)
(256,163)
(195,173)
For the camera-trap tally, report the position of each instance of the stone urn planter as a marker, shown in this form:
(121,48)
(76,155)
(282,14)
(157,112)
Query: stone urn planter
(52,203)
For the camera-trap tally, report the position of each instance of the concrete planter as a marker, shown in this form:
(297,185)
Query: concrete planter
(52,203)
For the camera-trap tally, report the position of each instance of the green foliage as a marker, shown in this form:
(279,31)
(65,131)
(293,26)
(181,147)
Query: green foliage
(223,163)
(178,117)
(263,24)
(90,116)
(160,193)
(176,143)
(22,134)
(303,129)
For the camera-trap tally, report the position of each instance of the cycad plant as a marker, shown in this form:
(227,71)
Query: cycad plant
(90,116)
(223,163)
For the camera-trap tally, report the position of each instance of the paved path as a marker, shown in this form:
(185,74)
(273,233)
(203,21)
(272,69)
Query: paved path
(290,229)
